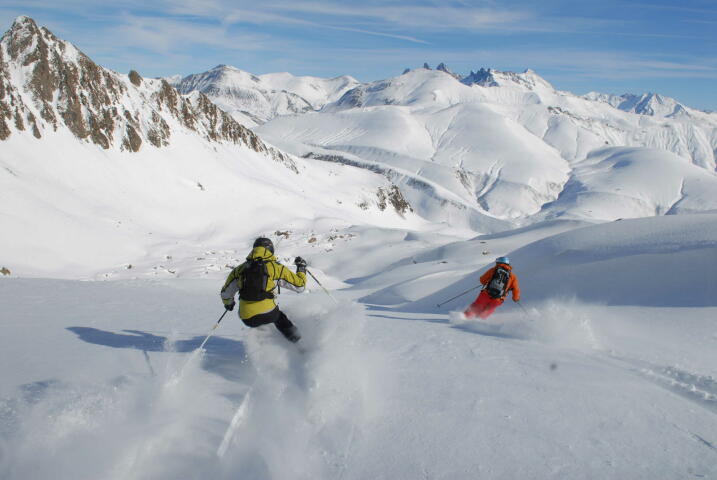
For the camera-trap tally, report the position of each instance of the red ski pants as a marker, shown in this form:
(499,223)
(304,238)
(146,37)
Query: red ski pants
(483,306)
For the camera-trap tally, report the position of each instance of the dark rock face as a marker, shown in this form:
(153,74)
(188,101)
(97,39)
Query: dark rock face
(98,105)
(135,78)
(483,77)
(443,68)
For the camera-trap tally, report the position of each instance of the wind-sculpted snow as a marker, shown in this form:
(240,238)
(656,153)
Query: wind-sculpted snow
(621,183)
(666,261)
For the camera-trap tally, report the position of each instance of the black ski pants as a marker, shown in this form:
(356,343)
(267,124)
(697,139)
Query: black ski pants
(277,317)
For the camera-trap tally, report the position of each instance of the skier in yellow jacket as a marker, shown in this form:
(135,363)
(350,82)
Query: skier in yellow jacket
(258,281)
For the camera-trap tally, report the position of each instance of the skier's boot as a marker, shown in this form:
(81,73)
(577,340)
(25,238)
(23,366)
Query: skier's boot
(292,334)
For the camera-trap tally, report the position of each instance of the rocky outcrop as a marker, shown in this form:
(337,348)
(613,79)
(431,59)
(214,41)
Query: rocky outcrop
(483,77)
(135,78)
(68,90)
(393,196)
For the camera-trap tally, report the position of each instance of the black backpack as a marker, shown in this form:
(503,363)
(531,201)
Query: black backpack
(497,285)
(254,279)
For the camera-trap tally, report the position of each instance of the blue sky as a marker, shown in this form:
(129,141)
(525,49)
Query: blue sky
(609,46)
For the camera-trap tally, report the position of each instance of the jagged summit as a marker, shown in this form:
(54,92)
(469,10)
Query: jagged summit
(483,77)
(488,77)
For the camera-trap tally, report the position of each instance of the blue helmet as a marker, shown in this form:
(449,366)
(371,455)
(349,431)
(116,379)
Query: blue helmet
(504,260)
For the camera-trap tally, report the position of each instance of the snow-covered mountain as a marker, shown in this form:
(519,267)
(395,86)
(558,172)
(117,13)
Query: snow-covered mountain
(502,145)
(47,85)
(255,99)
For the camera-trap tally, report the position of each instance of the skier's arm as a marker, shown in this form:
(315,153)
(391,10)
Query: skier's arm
(288,286)
(297,279)
(231,286)
(485,278)
(516,288)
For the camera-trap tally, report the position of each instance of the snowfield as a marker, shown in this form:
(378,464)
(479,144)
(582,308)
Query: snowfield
(124,205)
(610,373)
(180,211)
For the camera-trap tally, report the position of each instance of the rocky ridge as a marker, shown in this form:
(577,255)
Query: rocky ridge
(47,84)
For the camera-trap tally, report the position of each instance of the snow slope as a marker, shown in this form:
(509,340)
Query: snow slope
(611,383)
(615,183)
(100,214)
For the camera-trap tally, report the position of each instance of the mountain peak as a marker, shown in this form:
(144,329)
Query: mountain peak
(224,66)
(443,68)
(22,29)
(22,19)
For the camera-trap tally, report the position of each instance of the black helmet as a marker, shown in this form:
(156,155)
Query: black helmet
(264,242)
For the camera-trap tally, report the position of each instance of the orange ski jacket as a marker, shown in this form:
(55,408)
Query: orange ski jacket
(512,281)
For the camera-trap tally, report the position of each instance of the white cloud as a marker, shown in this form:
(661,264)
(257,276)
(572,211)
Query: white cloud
(164,35)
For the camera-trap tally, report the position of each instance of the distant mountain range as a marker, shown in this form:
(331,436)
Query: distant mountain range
(486,151)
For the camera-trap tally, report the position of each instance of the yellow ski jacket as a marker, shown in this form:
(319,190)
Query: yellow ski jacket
(279,275)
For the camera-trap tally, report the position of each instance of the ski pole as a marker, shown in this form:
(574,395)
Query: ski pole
(459,295)
(525,312)
(194,353)
(322,287)
(211,332)
(521,306)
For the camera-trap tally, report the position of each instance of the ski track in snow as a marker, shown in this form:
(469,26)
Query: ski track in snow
(699,389)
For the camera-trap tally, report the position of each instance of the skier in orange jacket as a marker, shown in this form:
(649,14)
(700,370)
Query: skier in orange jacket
(497,282)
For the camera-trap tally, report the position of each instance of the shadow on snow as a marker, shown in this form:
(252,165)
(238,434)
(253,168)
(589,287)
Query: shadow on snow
(222,356)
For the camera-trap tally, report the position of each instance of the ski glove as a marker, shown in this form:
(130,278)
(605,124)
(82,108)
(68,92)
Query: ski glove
(229,306)
(300,264)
